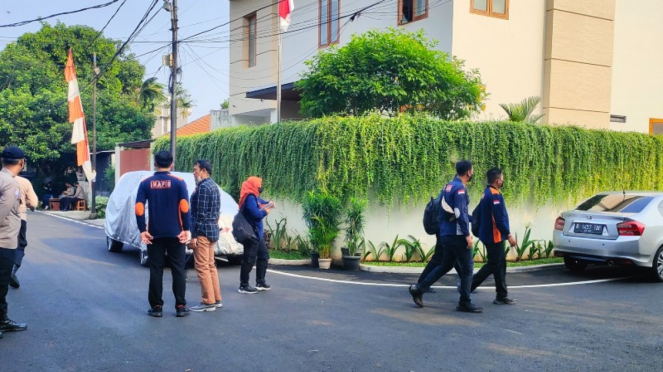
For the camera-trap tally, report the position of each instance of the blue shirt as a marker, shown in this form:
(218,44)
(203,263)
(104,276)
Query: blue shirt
(455,195)
(167,201)
(253,214)
(205,209)
(494,225)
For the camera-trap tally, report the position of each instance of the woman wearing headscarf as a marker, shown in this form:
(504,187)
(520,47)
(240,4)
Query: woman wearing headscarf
(254,209)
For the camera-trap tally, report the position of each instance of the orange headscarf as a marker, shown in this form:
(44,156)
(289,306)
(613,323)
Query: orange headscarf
(249,187)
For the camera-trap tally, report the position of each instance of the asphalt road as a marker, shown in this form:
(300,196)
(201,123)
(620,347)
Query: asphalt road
(86,312)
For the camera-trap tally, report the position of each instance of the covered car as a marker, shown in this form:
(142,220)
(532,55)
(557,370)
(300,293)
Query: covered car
(122,229)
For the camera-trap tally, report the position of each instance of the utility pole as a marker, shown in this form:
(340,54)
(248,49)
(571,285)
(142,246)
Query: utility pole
(173,82)
(93,207)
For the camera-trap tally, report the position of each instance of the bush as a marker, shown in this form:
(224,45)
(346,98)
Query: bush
(101,203)
(408,158)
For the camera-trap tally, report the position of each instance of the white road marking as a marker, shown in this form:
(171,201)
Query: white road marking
(72,220)
(446,286)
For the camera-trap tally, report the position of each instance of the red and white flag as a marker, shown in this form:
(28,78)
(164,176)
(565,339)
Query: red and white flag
(76,117)
(285,9)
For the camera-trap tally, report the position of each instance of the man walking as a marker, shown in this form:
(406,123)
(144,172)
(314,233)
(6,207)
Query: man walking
(456,240)
(205,209)
(493,231)
(167,202)
(30,200)
(13,161)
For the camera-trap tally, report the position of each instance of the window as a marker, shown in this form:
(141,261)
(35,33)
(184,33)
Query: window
(617,119)
(615,203)
(655,126)
(411,10)
(251,24)
(329,21)
(491,8)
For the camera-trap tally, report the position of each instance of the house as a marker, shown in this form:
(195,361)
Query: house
(595,63)
(162,123)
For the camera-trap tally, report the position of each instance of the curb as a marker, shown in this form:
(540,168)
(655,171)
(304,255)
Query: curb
(282,262)
(419,270)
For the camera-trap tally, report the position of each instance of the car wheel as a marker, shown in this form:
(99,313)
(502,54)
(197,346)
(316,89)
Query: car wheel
(657,266)
(143,257)
(113,245)
(574,265)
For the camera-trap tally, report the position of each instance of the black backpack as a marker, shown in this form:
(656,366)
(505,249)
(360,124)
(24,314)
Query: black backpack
(432,215)
(476,220)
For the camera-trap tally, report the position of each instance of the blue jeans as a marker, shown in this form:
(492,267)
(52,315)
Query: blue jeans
(456,253)
(45,199)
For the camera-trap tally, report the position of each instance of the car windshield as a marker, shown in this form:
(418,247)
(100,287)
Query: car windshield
(615,203)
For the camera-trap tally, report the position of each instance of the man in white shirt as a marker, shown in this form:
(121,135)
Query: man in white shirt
(30,200)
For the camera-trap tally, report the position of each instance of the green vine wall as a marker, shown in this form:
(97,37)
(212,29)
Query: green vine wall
(409,158)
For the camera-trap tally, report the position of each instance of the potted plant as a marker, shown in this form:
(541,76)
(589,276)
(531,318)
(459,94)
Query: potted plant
(322,214)
(354,231)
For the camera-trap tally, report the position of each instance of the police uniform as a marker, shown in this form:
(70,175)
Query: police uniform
(10,225)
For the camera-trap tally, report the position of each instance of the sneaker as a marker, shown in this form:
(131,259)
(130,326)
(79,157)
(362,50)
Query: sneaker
(263,286)
(9,325)
(203,307)
(182,311)
(156,311)
(247,289)
(218,304)
(469,308)
(504,301)
(416,295)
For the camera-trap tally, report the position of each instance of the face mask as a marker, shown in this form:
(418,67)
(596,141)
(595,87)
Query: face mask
(259,190)
(198,180)
(471,178)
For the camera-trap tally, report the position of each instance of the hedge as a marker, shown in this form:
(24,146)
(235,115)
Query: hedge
(409,158)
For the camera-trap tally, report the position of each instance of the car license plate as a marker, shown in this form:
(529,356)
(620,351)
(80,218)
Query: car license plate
(588,228)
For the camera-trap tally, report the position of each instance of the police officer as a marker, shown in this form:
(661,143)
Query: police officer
(13,161)
(456,239)
(493,231)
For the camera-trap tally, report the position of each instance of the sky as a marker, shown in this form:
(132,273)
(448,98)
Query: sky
(204,65)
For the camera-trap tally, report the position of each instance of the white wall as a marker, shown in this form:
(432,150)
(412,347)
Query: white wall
(383,224)
(638,55)
(508,53)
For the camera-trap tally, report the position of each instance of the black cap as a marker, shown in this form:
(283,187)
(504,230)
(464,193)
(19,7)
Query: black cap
(13,153)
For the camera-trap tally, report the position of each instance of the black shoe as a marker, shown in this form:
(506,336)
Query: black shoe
(13,282)
(430,290)
(263,286)
(0,334)
(182,311)
(156,311)
(9,325)
(416,295)
(504,301)
(469,308)
(247,289)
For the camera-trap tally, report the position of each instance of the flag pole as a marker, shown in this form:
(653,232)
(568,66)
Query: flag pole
(278,84)
(93,201)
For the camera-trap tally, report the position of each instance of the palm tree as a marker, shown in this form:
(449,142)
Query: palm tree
(184,101)
(522,112)
(151,94)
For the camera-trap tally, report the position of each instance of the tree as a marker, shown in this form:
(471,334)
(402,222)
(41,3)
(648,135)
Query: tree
(184,101)
(151,94)
(389,72)
(33,94)
(522,111)
(225,105)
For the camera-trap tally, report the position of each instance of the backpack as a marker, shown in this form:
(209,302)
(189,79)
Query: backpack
(476,220)
(432,215)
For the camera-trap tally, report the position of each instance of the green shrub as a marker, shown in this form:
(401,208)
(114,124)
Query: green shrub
(409,158)
(101,203)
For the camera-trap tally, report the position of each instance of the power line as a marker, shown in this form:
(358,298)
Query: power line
(22,23)
(107,23)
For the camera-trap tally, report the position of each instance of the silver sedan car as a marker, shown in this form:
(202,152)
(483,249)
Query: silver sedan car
(614,228)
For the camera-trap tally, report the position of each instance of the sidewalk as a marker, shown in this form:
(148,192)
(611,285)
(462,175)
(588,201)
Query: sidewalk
(83,216)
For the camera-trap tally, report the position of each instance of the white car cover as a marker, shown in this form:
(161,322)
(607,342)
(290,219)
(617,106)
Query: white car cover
(121,222)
